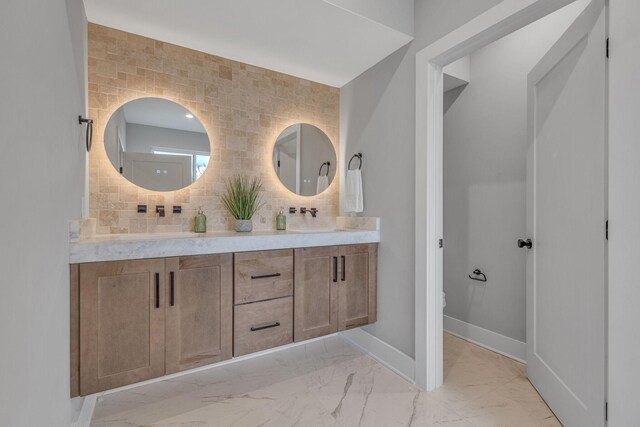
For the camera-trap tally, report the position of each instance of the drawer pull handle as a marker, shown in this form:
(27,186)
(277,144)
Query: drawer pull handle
(157,290)
(265,276)
(173,300)
(335,269)
(267,326)
(344,268)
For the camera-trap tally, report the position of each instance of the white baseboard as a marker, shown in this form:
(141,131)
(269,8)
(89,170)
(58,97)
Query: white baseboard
(490,340)
(86,413)
(379,350)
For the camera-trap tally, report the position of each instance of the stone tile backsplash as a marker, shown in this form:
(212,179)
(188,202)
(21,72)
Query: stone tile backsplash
(243,108)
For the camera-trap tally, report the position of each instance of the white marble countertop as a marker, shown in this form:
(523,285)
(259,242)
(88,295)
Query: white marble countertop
(160,245)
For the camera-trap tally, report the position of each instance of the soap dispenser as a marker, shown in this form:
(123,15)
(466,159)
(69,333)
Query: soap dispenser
(200,222)
(281,220)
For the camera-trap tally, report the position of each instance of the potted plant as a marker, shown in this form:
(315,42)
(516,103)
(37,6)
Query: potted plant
(243,198)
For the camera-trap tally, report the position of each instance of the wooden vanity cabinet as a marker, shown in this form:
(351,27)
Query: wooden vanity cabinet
(121,323)
(357,290)
(142,319)
(263,287)
(335,289)
(199,317)
(316,292)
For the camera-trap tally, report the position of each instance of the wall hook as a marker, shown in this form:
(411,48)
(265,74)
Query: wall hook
(477,272)
(88,139)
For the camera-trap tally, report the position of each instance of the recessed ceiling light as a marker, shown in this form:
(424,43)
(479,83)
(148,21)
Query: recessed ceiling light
(189,116)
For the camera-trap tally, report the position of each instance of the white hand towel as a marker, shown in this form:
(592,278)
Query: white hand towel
(354,197)
(323,183)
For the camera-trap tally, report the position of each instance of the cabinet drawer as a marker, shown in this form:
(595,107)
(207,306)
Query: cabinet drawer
(263,275)
(262,325)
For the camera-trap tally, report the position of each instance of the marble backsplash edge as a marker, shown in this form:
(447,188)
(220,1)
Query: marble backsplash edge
(81,229)
(358,223)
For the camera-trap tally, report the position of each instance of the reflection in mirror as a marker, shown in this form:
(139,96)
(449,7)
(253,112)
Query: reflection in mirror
(304,159)
(157,144)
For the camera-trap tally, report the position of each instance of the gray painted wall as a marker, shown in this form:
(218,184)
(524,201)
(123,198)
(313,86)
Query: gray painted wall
(143,138)
(42,82)
(485,147)
(624,204)
(377,118)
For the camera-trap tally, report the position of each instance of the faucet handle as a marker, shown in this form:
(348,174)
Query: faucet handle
(292,210)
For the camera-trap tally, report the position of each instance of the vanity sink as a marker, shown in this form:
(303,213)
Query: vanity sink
(317,230)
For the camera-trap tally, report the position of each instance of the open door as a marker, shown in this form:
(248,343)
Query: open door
(566,185)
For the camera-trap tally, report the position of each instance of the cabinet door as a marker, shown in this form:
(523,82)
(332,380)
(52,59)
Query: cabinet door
(315,294)
(121,323)
(357,289)
(199,306)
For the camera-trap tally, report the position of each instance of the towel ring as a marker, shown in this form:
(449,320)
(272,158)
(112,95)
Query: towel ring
(88,139)
(478,273)
(359,157)
(327,164)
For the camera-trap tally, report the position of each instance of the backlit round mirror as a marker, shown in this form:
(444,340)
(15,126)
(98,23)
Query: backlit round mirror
(304,159)
(157,144)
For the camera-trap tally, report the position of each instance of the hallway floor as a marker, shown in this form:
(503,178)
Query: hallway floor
(331,383)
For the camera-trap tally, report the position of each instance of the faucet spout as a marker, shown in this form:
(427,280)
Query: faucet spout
(312,211)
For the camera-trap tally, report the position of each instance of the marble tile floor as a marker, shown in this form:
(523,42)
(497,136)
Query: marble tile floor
(331,383)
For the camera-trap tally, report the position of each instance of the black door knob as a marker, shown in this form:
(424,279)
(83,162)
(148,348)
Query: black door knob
(525,243)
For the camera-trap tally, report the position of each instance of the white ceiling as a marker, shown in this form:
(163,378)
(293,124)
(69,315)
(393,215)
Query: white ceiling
(311,39)
(160,113)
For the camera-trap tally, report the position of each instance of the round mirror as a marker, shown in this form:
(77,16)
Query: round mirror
(157,144)
(304,159)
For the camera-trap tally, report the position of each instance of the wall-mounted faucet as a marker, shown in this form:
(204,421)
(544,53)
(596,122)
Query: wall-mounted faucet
(160,211)
(312,211)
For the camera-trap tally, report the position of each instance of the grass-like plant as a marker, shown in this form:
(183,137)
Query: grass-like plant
(243,196)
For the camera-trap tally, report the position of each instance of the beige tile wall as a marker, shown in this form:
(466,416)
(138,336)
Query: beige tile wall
(243,108)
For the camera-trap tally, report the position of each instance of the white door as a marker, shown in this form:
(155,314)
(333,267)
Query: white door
(566,177)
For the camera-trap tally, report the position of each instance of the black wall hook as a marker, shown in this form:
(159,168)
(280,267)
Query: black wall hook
(88,139)
(477,272)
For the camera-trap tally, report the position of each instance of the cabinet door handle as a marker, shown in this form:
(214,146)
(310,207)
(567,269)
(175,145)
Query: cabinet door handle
(335,269)
(172,290)
(261,327)
(157,290)
(344,273)
(265,276)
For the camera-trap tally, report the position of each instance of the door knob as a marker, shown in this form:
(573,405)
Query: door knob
(525,243)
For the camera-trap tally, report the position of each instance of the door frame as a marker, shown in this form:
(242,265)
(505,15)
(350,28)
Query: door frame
(501,20)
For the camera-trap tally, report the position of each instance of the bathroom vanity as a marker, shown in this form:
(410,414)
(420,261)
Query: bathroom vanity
(149,298)
(148,305)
